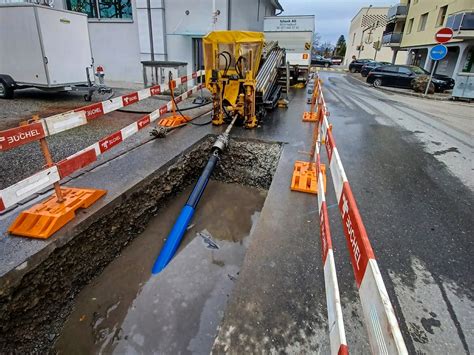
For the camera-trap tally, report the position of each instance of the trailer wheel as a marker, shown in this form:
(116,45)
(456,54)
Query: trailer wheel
(6,92)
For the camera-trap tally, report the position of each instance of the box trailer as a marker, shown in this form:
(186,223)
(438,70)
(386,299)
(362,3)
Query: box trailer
(44,48)
(295,34)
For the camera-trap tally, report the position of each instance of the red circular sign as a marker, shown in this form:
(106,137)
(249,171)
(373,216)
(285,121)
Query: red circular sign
(444,35)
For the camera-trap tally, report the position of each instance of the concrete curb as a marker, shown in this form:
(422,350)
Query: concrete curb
(416,94)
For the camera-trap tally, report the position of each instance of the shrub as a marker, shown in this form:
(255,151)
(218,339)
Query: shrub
(419,84)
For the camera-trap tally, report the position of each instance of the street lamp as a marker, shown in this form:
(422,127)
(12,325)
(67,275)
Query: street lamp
(363,31)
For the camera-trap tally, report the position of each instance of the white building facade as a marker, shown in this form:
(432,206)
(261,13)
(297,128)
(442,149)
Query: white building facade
(120,32)
(364,40)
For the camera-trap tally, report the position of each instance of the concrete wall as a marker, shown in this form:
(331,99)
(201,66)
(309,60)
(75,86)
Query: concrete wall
(364,18)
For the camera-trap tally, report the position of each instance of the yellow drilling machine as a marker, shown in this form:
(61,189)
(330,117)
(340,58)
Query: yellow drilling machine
(239,84)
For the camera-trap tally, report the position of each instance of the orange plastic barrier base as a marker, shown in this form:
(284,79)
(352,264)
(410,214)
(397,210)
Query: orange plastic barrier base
(310,116)
(47,217)
(173,121)
(304,177)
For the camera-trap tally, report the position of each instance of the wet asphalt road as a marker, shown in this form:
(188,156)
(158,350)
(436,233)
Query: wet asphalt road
(416,206)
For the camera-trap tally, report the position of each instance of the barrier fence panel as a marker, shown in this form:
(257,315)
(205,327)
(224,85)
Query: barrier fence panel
(48,126)
(337,335)
(382,326)
(37,182)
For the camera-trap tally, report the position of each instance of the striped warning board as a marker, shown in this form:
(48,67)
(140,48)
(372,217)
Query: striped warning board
(48,126)
(382,326)
(27,187)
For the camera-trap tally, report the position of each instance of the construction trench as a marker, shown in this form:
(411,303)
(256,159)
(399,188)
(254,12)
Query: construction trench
(32,315)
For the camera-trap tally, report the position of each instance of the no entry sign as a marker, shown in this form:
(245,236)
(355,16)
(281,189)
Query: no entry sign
(444,35)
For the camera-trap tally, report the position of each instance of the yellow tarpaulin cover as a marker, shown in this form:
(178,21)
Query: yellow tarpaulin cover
(233,37)
(237,43)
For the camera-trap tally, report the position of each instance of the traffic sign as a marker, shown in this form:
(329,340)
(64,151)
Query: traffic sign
(438,52)
(444,35)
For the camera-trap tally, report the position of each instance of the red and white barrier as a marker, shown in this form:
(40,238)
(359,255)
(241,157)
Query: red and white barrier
(382,326)
(35,183)
(337,335)
(48,126)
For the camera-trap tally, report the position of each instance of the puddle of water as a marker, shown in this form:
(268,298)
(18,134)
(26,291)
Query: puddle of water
(124,311)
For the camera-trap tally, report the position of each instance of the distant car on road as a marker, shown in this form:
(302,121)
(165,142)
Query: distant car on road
(356,65)
(402,76)
(320,60)
(336,60)
(371,65)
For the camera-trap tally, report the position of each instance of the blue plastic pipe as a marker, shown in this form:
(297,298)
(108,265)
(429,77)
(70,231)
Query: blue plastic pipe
(179,229)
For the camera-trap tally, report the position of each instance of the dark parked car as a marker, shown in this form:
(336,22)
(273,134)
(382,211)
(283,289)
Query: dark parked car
(356,65)
(371,65)
(403,75)
(320,60)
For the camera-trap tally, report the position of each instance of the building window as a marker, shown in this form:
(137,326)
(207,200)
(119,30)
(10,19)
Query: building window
(441,16)
(353,39)
(102,9)
(422,24)
(410,25)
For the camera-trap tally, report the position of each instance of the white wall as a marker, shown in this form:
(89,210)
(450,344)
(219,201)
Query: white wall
(115,46)
(244,14)
(120,46)
(182,28)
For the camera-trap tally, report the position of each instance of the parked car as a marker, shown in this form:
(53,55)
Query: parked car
(336,60)
(402,76)
(371,65)
(320,60)
(356,65)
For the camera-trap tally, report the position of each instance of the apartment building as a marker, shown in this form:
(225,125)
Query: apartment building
(365,36)
(412,25)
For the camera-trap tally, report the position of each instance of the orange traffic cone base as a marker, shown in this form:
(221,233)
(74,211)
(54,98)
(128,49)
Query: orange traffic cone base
(46,218)
(173,121)
(310,116)
(304,177)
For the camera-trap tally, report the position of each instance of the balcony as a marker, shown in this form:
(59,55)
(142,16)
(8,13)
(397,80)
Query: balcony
(397,12)
(392,39)
(462,23)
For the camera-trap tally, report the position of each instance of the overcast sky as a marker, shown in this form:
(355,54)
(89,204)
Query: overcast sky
(333,17)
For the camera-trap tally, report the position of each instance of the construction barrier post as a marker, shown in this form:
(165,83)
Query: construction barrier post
(305,177)
(312,116)
(50,163)
(175,119)
(44,219)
